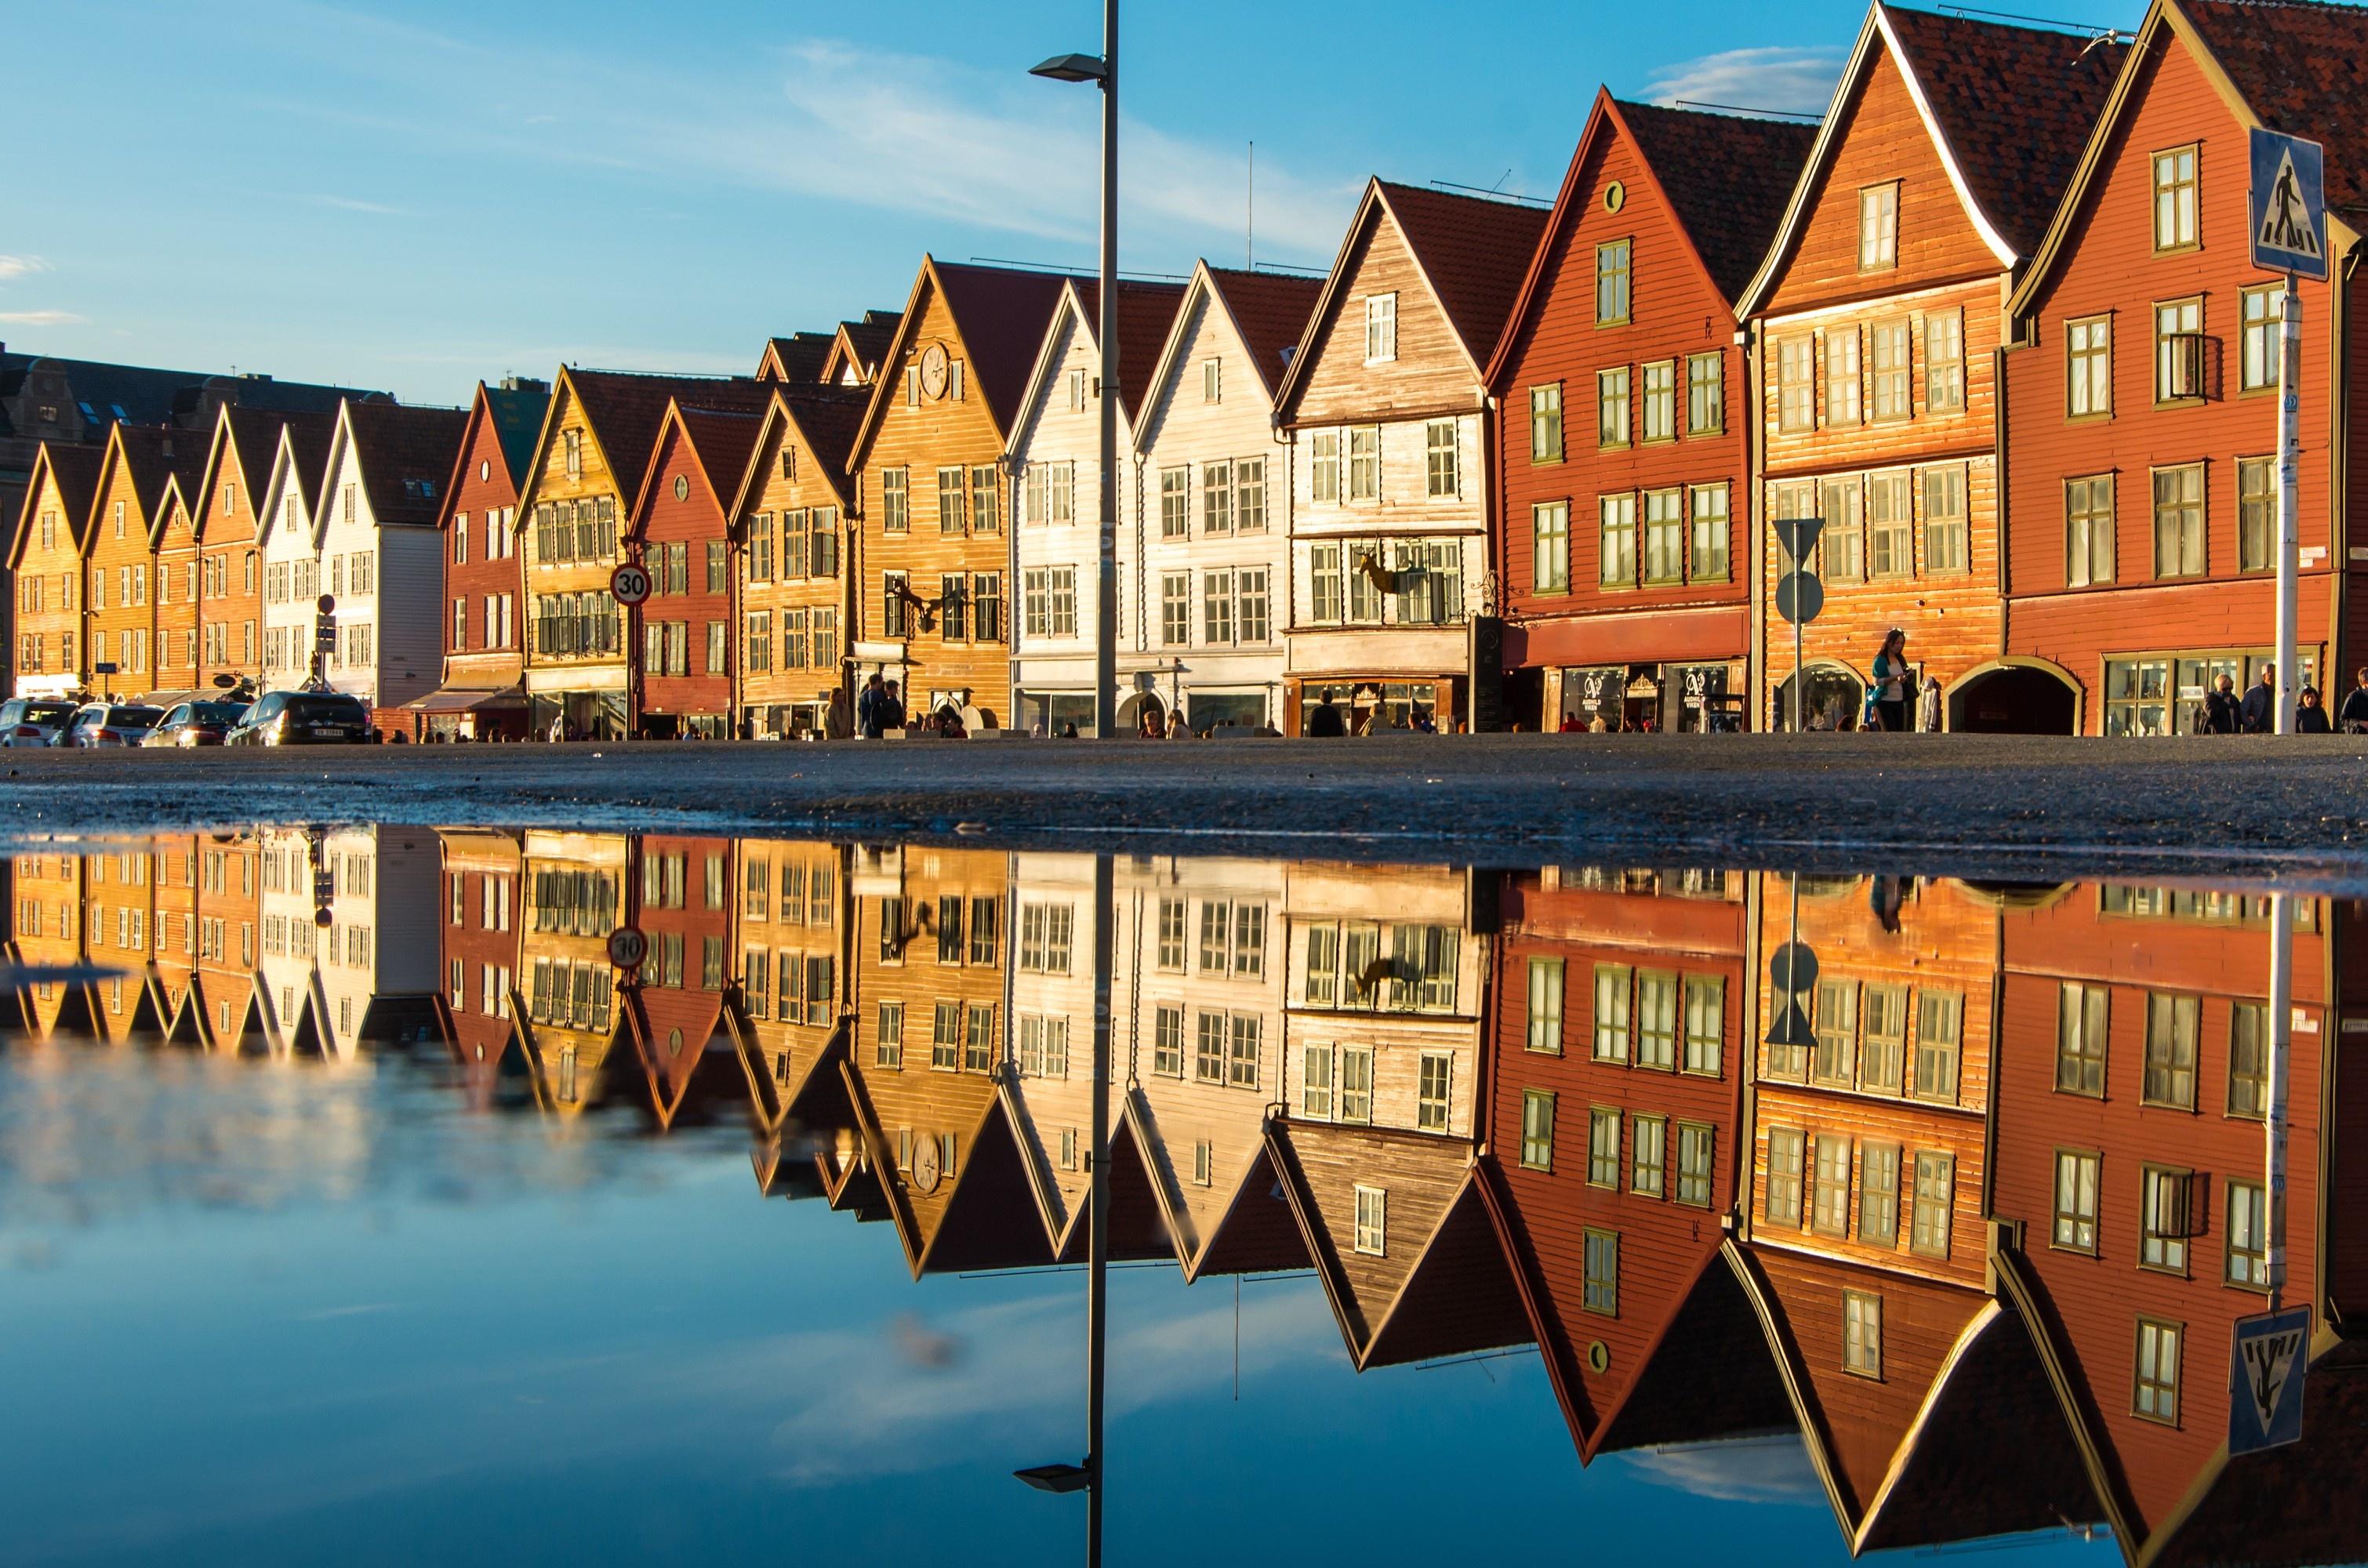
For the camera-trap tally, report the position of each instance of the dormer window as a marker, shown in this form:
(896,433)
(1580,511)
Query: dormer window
(1878,227)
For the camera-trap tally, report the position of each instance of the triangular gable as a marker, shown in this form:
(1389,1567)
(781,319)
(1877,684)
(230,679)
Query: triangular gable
(1138,1216)
(1147,314)
(621,413)
(858,350)
(991,1220)
(1461,1296)
(74,469)
(721,443)
(403,455)
(1251,312)
(145,459)
(300,459)
(174,503)
(823,422)
(797,359)
(999,316)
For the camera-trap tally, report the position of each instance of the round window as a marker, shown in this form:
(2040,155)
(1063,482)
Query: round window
(485,469)
(1615,196)
(682,487)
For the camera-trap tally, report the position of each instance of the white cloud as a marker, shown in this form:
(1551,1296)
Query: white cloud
(348,204)
(42,318)
(1772,1469)
(1798,81)
(19,265)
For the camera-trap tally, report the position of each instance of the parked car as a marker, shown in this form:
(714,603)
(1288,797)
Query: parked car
(111,724)
(33,720)
(301,718)
(196,724)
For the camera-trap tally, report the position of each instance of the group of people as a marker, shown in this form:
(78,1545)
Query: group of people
(880,708)
(2256,712)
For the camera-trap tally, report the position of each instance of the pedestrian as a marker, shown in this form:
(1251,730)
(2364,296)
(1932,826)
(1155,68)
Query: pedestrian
(2353,717)
(558,728)
(1148,726)
(1571,724)
(888,712)
(1325,722)
(834,724)
(867,709)
(1178,730)
(2310,718)
(2220,709)
(1928,707)
(1892,680)
(2260,714)
(1069,731)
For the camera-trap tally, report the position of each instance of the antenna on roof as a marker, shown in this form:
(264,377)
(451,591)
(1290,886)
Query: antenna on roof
(1494,195)
(1738,108)
(1249,227)
(1287,266)
(2098,34)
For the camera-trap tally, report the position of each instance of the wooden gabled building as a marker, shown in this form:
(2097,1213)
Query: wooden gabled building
(932,577)
(45,564)
(2143,376)
(679,529)
(792,537)
(860,347)
(481,935)
(138,472)
(1875,320)
(481,693)
(1391,615)
(287,531)
(178,591)
(380,537)
(1623,467)
(230,502)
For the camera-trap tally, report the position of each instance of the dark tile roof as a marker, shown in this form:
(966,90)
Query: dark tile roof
(2016,105)
(308,453)
(1145,312)
(1271,310)
(76,467)
(1728,176)
(719,442)
(2300,68)
(625,410)
(1002,313)
(801,356)
(517,412)
(407,457)
(1476,251)
(830,418)
(871,338)
(153,456)
(141,394)
(2292,1505)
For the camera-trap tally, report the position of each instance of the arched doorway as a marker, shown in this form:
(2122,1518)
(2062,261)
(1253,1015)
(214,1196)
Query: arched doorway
(1837,697)
(2015,699)
(1138,707)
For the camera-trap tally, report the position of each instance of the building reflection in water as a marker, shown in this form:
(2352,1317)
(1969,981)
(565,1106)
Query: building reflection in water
(1980,1242)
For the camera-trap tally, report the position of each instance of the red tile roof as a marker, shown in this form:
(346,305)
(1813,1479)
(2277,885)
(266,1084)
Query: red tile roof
(2300,67)
(720,441)
(1002,313)
(1146,313)
(625,410)
(308,453)
(1475,251)
(407,457)
(1727,177)
(1271,310)
(2016,106)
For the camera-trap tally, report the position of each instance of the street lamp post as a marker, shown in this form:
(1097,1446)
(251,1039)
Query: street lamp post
(1103,69)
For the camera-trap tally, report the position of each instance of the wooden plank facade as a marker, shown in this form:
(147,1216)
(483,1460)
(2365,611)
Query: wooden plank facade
(793,538)
(45,562)
(680,531)
(481,694)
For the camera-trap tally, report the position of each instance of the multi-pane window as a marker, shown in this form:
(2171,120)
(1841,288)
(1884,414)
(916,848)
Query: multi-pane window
(1890,526)
(1546,423)
(1249,495)
(1323,465)
(1878,1194)
(2080,1018)
(1216,498)
(1373,1220)
(2263,342)
(1711,532)
(1602,1263)
(2178,521)
(1829,1191)
(1845,386)
(1936,1181)
(1550,560)
(1612,270)
(1050,495)
(1656,1019)
(2088,367)
(1697,1157)
(2257,513)
(1944,520)
(888,1036)
(1660,400)
(1883,1053)
(2076,1199)
(1616,551)
(1381,328)
(2088,531)
(2163,1229)
(1665,536)
(2249,1061)
(2248,1262)
(2154,1395)
(1939,1017)
(1044,937)
(1705,1023)
(1648,1157)
(1785,1153)
(1365,464)
(1440,473)
(1944,362)
(1175,502)
(1835,1027)
(1842,546)
(1611,407)
(1434,1082)
(1878,227)
(1175,609)
(1889,350)
(1602,1146)
(1705,395)
(2179,351)
(2171,1025)
(1546,1005)
(1611,1012)
(1167,1042)
(1861,1333)
(2174,199)
(953,501)
(1537,1130)
(1242,1051)
(1796,383)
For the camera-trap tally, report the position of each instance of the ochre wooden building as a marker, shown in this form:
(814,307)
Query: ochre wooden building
(1874,322)
(45,562)
(793,535)
(121,558)
(1624,462)
(176,590)
(230,555)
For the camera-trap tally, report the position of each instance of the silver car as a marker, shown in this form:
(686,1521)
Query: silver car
(33,720)
(111,724)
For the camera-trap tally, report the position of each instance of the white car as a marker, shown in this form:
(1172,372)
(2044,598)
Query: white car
(33,720)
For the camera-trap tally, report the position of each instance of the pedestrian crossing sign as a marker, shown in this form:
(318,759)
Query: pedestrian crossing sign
(2266,1368)
(2288,205)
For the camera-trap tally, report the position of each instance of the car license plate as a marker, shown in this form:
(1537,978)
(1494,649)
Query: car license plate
(326,729)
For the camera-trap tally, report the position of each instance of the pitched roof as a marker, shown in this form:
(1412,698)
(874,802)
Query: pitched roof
(625,410)
(250,438)
(74,468)
(151,456)
(1146,312)
(1727,177)
(2015,105)
(141,394)
(861,345)
(1002,313)
(517,412)
(407,457)
(797,358)
(2298,66)
(1476,251)
(1270,311)
(720,441)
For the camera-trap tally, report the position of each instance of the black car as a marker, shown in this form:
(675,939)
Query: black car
(303,719)
(196,724)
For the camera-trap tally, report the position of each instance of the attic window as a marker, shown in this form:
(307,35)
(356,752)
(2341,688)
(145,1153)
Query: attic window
(1077,391)
(954,380)
(574,440)
(1381,328)
(1878,227)
(682,487)
(229,498)
(789,462)
(1212,379)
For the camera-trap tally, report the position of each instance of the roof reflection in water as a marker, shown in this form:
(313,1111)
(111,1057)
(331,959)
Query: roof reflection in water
(1980,1245)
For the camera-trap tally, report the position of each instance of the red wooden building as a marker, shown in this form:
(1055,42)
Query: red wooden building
(1625,453)
(2142,378)
(681,533)
(482,694)
(675,1002)
(481,928)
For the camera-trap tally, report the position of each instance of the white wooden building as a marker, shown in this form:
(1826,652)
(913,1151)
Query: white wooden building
(380,547)
(285,511)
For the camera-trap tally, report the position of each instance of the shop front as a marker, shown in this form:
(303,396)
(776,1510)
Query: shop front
(1698,699)
(455,714)
(586,704)
(1683,670)
(1370,705)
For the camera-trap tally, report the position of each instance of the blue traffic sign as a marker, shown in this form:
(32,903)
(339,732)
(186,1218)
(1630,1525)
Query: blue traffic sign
(2266,1366)
(2288,205)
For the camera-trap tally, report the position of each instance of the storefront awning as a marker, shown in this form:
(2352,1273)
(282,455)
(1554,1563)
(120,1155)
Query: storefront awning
(456,699)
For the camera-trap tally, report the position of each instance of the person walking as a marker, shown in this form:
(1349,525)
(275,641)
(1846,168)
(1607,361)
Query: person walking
(1892,677)
(888,712)
(2353,719)
(1325,722)
(2310,716)
(2260,714)
(867,709)
(2221,711)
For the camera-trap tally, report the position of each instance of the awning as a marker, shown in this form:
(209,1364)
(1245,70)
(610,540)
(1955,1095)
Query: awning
(173,698)
(457,699)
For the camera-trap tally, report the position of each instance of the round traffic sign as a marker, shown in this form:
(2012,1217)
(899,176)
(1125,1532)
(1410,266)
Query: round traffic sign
(326,605)
(1799,597)
(629,583)
(1793,968)
(628,946)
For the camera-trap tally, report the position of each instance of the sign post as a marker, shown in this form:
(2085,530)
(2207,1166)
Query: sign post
(2287,213)
(2266,1363)
(1799,595)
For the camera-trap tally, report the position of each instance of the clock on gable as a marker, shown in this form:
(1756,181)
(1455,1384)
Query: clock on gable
(933,370)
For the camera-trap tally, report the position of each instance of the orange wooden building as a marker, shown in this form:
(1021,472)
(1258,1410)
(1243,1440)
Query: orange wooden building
(792,538)
(1874,321)
(1624,445)
(2143,376)
(229,558)
(45,561)
(143,464)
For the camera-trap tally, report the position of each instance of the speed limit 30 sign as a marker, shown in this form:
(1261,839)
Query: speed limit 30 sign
(628,946)
(629,583)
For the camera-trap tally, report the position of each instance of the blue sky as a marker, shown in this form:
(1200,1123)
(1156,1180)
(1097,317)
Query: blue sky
(413,196)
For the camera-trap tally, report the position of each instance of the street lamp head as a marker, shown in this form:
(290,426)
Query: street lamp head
(1058,1477)
(1071,68)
